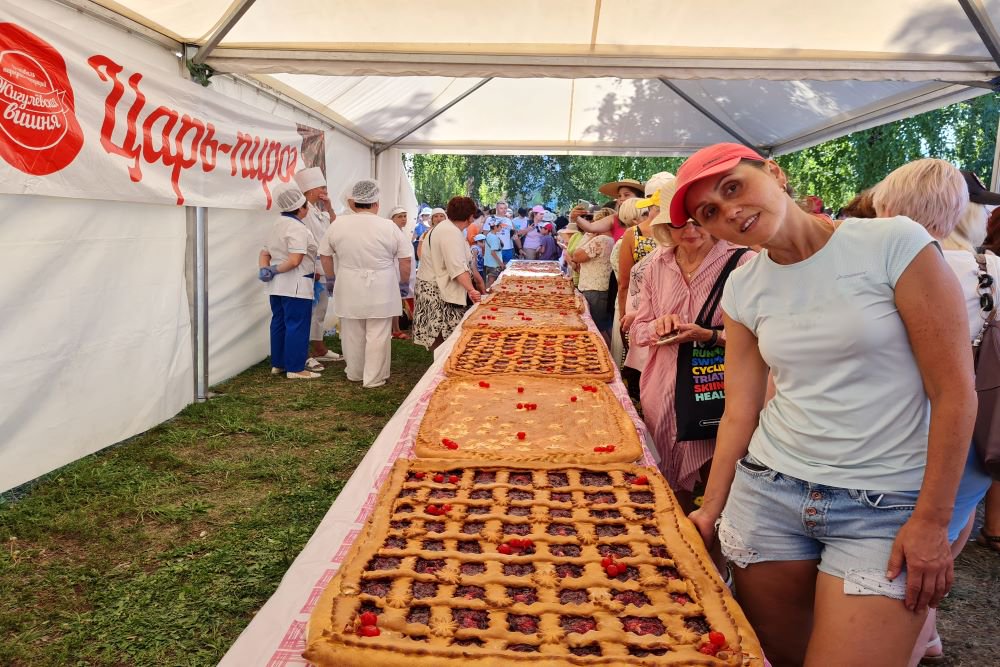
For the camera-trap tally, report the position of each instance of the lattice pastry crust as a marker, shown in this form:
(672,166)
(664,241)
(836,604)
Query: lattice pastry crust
(443,587)
(508,418)
(495,317)
(550,354)
(534,266)
(535,285)
(560,302)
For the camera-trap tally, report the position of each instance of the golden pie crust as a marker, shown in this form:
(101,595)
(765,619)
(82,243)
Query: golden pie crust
(526,352)
(560,302)
(445,592)
(495,317)
(535,285)
(509,418)
(535,266)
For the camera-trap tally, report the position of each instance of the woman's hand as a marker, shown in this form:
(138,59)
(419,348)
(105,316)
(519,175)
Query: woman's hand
(691,333)
(922,547)
(666,325)
(704,521)
(627,321)
(475,295)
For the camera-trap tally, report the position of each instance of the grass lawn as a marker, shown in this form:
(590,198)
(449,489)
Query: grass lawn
(158,551)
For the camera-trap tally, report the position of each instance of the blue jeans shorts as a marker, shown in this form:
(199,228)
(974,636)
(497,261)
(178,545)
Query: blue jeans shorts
(771,516)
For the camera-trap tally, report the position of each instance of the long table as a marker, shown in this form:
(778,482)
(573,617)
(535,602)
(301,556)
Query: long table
(277,634)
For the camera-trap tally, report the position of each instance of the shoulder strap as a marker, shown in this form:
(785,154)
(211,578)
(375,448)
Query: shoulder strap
(987,305)
(711,304)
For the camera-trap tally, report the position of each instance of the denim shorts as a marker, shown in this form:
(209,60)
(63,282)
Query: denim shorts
(771,516)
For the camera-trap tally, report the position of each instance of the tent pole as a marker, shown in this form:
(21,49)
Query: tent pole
(995,178)
(705,112)
(236,12)
(197,287)
(980,20)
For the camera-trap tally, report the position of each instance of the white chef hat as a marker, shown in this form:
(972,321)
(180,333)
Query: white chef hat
(439,210)
(289,198)
(364,191)
(310,178)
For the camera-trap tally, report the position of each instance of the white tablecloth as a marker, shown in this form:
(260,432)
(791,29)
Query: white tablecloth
(276,636)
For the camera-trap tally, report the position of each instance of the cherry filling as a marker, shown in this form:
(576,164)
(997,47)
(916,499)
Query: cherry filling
(520,478)
(571,550)
(434,526)
(560,497)
(573,596)
(643,625)
(470,592)
(629,573)
(400,524)
(518,494)
(468,547)
(415,476)
(522,595)
(376,587)
(518,569)
(515,510)
(589,649)
(522,623)
(424,589)
(681,598)
(636,598)
(668,572)
(481,494)
(610,529)
(616,550)
(469,641)
(404,509)
(428,566)
(522,648)
(641,497)
(369,606)
(516,528)
(419,615)
(443,493)
(393,542)
(478,509)
(569,570)
(579,624)
(558,479)
(643,513)
(485,477)
(471,618)
(561,529)
(383,563)
(658,551)
(472,568)
(603,497)
(606,514)
(651,530)
(698,624)
(472,527)
(640,652)
(433,545)
(557,513)
(595,479)
(406,493)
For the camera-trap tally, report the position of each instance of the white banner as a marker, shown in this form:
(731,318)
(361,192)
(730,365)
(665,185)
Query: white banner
(81,120)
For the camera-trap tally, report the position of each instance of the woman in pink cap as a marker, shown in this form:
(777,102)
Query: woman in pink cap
(834,498)
(531,235)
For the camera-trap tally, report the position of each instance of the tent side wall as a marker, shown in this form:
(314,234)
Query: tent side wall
(96,342)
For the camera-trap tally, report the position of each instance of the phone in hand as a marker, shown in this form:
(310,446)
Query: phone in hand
(669,338)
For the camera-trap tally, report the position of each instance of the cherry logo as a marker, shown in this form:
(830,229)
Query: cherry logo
(39,132)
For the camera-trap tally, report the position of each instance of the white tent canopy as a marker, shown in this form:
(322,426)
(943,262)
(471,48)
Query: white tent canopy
(594,76)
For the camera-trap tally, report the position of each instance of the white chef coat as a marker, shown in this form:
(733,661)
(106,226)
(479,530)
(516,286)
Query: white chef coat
(413,269)
(365,249)
(317,221)
(290,236)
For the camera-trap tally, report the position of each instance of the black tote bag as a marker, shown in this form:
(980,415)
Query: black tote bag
(700,397)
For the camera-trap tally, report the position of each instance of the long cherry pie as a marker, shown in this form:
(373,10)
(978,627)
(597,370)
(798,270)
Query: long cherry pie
(552,354)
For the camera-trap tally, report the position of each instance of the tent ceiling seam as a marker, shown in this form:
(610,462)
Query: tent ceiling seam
(984,27)
(706,113)
(597,21)
(95,11)
(380,148)
(232,17)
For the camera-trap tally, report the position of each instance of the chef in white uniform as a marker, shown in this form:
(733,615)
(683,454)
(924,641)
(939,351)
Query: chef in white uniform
(369,254)
(287,263)
(313,185)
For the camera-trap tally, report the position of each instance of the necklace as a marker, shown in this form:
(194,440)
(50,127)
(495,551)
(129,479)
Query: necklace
(688,267)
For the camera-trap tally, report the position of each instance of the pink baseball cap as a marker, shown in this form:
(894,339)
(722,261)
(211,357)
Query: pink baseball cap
(538,208)
(707,162)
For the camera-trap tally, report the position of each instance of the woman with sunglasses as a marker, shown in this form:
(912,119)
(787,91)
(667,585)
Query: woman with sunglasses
(834,498)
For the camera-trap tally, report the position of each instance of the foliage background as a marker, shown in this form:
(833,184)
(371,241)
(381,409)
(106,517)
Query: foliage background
(963,133)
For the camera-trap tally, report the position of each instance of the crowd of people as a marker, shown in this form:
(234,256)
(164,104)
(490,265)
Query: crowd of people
(839,483)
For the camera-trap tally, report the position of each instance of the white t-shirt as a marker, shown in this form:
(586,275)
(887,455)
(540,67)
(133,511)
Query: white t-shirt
(504,231)
(964,265)
(850,409)
(290,236)
(365,250)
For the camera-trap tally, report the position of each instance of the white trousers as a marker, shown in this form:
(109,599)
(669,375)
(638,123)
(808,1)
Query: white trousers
(318,316)
(367,349)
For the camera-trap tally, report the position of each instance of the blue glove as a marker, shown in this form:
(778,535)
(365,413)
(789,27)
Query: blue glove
(404,287)
(317,291)
(329,284)
(265,274)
